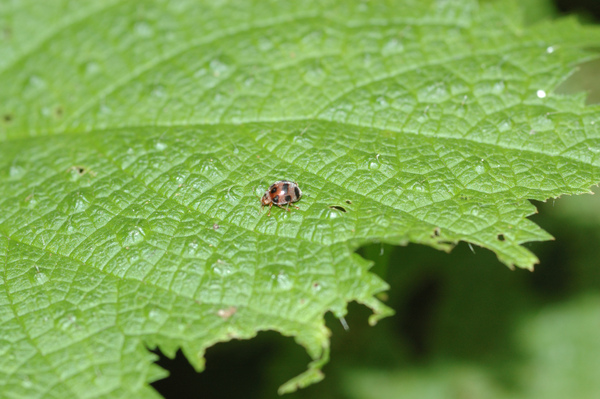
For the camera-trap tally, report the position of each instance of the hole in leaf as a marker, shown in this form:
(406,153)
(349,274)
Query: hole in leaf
(501,237)
(339,208)
(243,361)
(348,202)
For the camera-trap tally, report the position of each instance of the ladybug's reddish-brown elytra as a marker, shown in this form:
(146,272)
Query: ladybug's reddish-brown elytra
(281,193)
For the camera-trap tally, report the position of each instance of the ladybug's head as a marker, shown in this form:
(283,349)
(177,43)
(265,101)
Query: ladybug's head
(266,199)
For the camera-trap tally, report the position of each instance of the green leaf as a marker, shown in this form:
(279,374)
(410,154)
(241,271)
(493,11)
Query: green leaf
(135,137)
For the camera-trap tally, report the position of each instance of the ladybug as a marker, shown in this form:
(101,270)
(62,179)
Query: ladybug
(282,192)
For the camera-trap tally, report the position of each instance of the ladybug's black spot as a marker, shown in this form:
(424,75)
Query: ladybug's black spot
(288,199)
(297,192)
(286,186)
(273,189)
(276,199)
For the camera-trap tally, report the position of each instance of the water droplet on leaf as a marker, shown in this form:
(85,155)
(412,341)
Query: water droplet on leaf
(218,67)
(16,171)
(41,278)
(143,29)
(283,281)
(221,268)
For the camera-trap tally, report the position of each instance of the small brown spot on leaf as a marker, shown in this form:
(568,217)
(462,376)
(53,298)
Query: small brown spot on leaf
(501,237)
(7,118)
(227,313)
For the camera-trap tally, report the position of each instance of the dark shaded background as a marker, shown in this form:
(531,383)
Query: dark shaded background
(461,307)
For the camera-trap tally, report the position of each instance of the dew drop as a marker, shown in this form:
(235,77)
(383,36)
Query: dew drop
(67,322)
(382,101)
(143,29)
(221,268)
(417,187)
(179,178)
(232,194)
(41,278)
(550,49)
(479,169)
(158,91)
(75,202)
(498,87)
(36,82)
(160,146)
(27,384)
(192,247)
(392,46)
(105,110)
(132,233)
(333,214)
(541,94)
(16,171)
(91,68)
(218,67)
(304,141)
(283,281)
(505,125)
(316,287)
(374,163)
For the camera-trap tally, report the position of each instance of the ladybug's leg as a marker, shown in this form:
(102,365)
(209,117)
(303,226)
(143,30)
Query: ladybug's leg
(287,207)
(270,206)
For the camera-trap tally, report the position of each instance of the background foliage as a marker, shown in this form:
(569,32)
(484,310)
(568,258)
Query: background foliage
(128,173)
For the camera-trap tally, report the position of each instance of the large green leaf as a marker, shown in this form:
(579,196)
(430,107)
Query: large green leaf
(135,136)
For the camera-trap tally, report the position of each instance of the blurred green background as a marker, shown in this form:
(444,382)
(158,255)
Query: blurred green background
(465,325)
